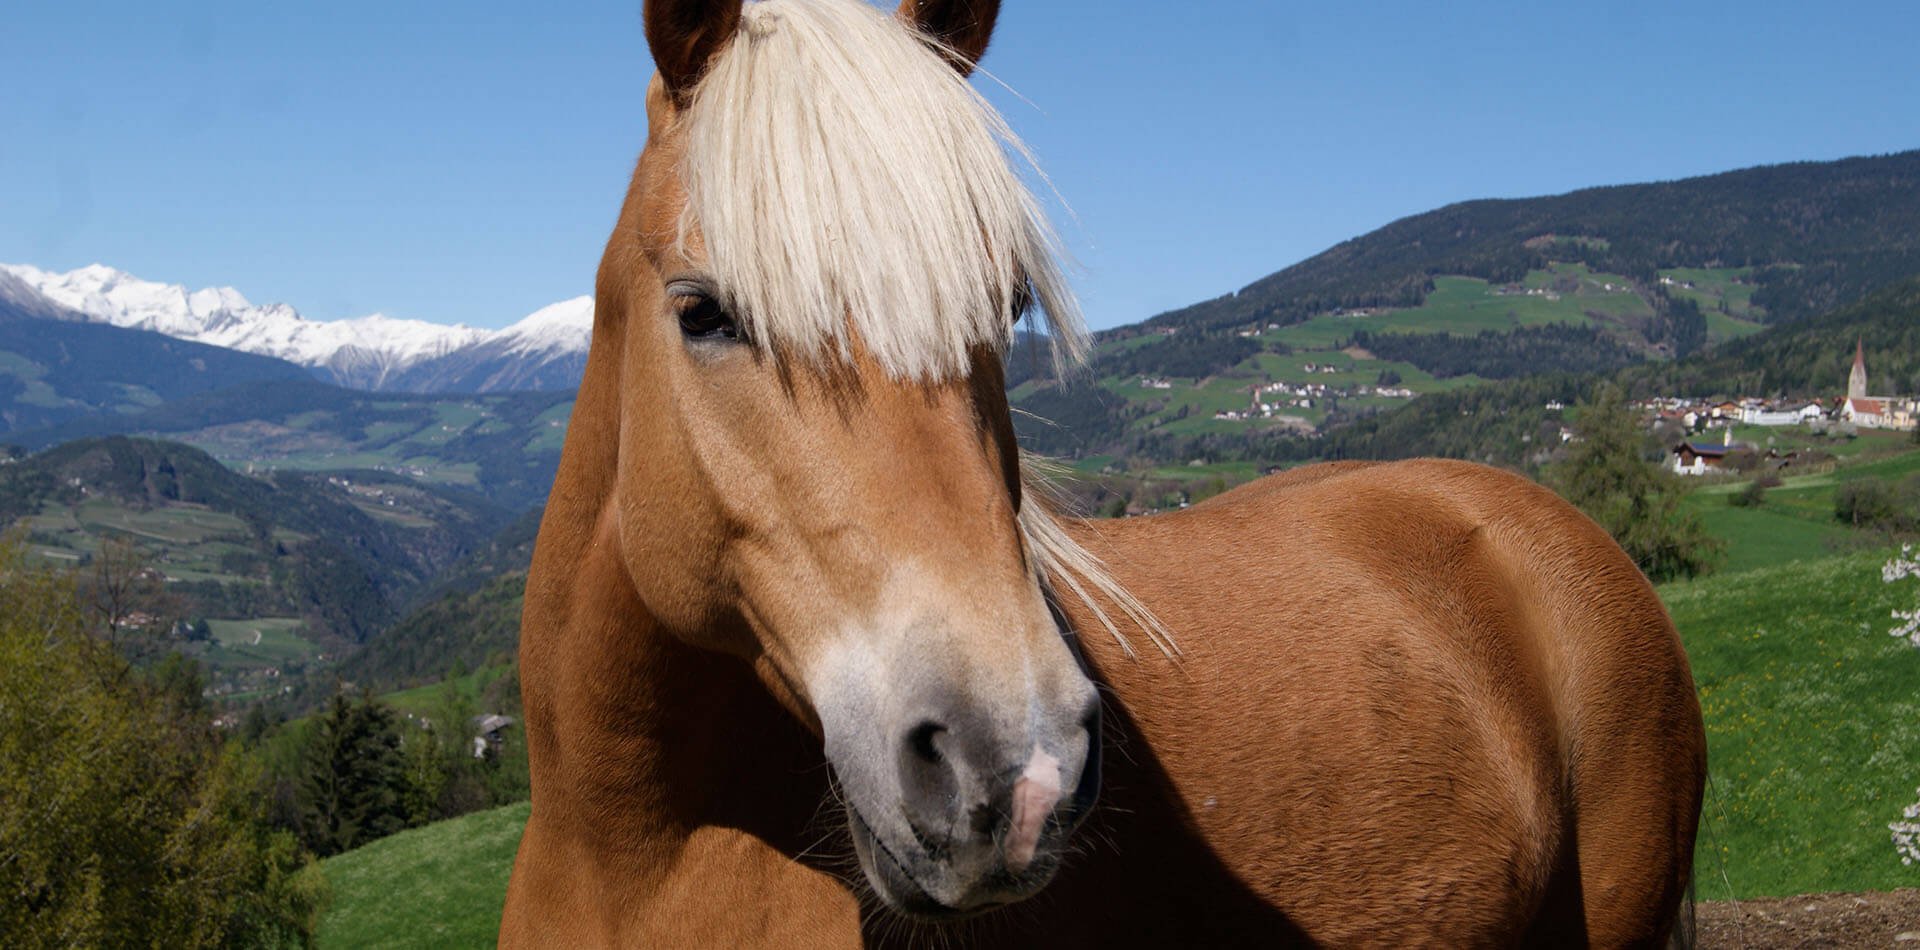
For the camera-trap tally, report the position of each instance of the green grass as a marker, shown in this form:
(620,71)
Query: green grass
(1795,521)
(439,886)
(1813,725)
(1721,327)
(175,524)
(261,641)
(1468,305)
(1769,535)
(1713,287)
(1128,343)
(421,700)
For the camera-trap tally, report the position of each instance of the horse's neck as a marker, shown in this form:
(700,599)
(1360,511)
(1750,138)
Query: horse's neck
(669,788)
(644,738)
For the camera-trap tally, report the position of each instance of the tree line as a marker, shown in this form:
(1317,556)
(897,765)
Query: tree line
(133,813)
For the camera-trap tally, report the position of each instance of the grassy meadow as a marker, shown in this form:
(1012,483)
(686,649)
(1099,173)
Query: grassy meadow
(423,700)
(438,886)
(1813,725)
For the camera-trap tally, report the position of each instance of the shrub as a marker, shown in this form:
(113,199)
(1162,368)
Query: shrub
(1751,496)
(1872,503)
(123,820)
(1608,475)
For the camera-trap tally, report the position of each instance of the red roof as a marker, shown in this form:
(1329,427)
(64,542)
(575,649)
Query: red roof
(1871,407)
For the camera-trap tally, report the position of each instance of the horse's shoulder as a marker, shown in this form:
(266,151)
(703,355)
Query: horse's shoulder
(1418,488)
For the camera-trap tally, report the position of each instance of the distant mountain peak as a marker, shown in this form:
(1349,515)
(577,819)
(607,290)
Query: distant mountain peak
(373,352)
(567,325)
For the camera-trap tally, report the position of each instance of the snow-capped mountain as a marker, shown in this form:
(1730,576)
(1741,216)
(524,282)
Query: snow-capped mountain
(547,350)
(544,351)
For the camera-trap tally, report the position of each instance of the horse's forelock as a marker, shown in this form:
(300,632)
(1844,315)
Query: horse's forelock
(847,182)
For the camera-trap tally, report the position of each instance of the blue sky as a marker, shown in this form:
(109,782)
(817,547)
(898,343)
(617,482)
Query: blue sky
(463,162)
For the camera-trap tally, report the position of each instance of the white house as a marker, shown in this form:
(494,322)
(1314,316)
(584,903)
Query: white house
(1760,415)
(1865,413)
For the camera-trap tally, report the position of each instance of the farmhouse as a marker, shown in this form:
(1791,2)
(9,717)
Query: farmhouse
(491,732)
(1699,458)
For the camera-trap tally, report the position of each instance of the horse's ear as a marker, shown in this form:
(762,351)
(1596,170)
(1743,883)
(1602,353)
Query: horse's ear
(963,26)
(685,35)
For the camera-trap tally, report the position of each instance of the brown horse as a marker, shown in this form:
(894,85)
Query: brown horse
(796,607)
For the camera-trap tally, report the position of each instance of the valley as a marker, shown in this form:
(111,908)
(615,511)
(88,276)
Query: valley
(265,580)
(324,542)
(1470,331)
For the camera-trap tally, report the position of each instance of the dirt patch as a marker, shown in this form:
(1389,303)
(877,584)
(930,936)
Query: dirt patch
(1883,919)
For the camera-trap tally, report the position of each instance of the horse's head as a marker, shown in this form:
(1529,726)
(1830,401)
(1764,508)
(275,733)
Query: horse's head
(810,292)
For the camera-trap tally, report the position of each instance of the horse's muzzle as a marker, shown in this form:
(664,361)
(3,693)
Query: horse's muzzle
(978,827)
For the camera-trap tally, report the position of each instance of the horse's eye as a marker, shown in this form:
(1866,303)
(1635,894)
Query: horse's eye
(702,318)
(1022,301)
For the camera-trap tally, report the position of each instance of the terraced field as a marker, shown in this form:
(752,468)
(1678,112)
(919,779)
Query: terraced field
(258,643)
(1795,521)
(1318,351)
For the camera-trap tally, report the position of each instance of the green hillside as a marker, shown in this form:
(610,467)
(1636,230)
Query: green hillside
(1591,281)
(54,368)
(469,619)
(438,886)
(274,573)
(467,629)
(1500,422)
(1813,725)
(504,446)
(1816,235)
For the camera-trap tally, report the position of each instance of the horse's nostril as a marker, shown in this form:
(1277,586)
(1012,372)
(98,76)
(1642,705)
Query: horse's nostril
(920,740)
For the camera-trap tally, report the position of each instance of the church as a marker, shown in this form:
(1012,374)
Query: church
(1874,412)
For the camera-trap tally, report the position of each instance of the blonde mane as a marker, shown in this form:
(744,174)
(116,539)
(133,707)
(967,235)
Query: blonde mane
(846,181)
(843,174)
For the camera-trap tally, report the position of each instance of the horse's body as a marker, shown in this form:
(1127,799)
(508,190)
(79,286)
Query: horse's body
(1415,703)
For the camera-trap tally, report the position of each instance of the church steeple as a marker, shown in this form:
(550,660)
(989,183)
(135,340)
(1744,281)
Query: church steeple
(1857,380)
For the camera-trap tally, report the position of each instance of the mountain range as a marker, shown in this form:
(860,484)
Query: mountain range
(1438,302)
(1477,291)
(336,475)
(1815,234)
(546,350)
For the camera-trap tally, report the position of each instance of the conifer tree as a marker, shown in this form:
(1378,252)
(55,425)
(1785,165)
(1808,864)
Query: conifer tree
(1609,475)
(353,787)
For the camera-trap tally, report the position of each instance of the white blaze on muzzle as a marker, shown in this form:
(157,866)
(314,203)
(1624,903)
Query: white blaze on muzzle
(1035,794)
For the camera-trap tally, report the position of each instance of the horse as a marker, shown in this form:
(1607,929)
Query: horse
(811,657)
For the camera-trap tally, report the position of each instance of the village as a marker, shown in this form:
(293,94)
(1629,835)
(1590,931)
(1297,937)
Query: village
(1710,446)
(1270,399)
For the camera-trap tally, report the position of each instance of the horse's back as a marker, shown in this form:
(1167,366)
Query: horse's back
(1415,700)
